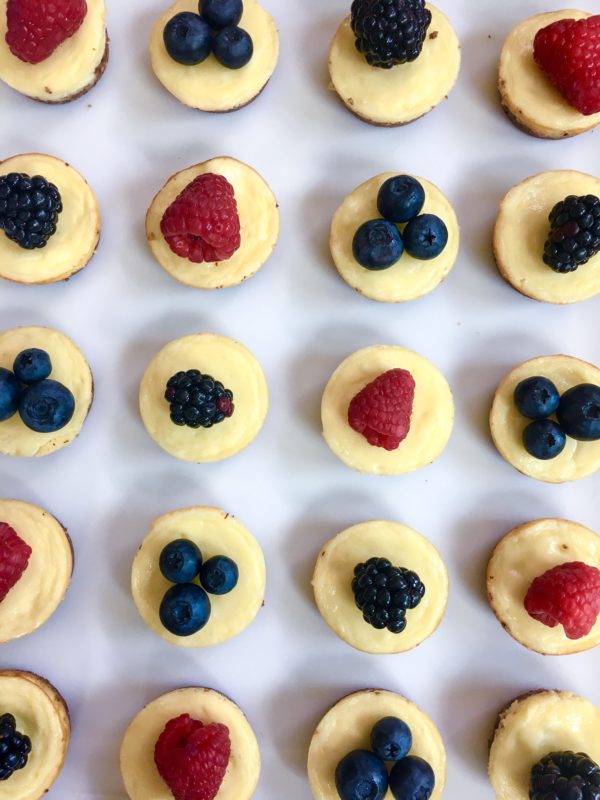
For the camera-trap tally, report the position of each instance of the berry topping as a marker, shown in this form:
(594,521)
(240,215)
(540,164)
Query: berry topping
(221,13)
(10,394)
(192,758)
(544,439)
(425,237)
(47,406)
(390,32)
(180,561)
(29,209)
(35,28)
(568,51)
(536,397)
(198,400)
(202,223)
(412,779)
(360,775)
(391,739)
(579,412)
(233,47)
(14,747)
(377,244)
(14,558)
(574,233)
(565,776)
(400,198)
(185,609)
(219,575)
(32,365)
(567,595)
(381,411)
(385,593)
(187,39)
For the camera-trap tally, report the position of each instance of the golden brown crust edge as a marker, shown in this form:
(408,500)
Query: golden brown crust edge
(99,72)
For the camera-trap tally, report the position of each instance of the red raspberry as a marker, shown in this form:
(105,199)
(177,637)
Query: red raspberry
(568,51)
(35,28)
(14,558)
(202,224)
(192,758)
(567,595)
(382,410)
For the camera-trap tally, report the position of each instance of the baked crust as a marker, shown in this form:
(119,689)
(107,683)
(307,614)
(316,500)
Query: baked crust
(100,70)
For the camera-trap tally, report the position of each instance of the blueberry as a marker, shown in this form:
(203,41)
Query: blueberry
(46,406)
(233,47)
(400,198)
(219,575)
(32,365)
(185,609)
(180,561)
(412,779)
(579,412)
(425,237)
(361,775)
(536,397)
(377,244)
(221,13)
(10,394)
(544,439)
(187,38)
(391,739)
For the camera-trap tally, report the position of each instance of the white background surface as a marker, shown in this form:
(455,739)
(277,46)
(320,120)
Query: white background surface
(127,137)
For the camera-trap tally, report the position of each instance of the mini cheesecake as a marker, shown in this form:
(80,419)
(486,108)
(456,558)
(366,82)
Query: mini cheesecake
(209,86)
(259,223)
(70,71)
(347,727)
(402,94)
(140,775)
(527,95)
(578,459)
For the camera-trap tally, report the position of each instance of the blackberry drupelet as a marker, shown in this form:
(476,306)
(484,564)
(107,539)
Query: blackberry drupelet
(14,747)
(562,776)
(29,209)
(574,233)
(390,32)
(198,400)
(385,593)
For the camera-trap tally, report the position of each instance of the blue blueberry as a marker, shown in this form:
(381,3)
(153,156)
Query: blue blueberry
(391,739)
(377,244)
(425,237)
(221,13)
(579,412)
(185,609)
(46,406)
(180,561)
(544,439)
(10,394)
(219,575)
(32,365)
(400,198)
(233,47)
(536,397)
(187,38)
(412,779)
(361,775)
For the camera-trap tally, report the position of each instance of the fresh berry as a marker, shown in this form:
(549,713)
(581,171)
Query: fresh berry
(219,575)
(32,365)
(202,223)
(567,595)
(47,406)
(412,779)
(381,411)
(391,739)
(400,198)
(14,747)
(377,244)
(390,32)
(29,209)
(360,775)
(574,233)
(385,593)
(565,776)
(185,609)
(35,28)
(579,412)
(192,758)
(198,400)
(544,439)
(180,561)
(425,237)
(536,397)
(221,13)
(568,51)
(10,394)
(187,39)
(14,558)
(233,47)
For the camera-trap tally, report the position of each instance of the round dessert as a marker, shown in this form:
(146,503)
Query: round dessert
(337,598)
(40,714)
(347,727)
(528,96)
(522,229)
(77,229)
(431,418)
(531,728)
(259,226)
(140,774)
(578,459)
(67,73)
(405,92)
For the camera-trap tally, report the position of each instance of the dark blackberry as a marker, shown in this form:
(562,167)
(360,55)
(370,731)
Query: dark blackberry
(390,32)
(385,593)
(197,400)
(564,776)
(29,209)
(14,747)
(574,233)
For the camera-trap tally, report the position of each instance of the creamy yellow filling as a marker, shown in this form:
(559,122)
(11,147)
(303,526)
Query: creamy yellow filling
(432,416)
(140,776)
(259,226)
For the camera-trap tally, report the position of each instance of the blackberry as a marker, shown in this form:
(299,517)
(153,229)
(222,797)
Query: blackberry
(574,233)
(198,400)
(385,593)
(562,776)
(389,32)
(14,747)
(29,209)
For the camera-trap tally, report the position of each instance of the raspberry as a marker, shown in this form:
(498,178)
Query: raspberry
(35,28)
(14,557)
(382,410)
(202,223)
(192,758)
(568,51)
(567,595)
